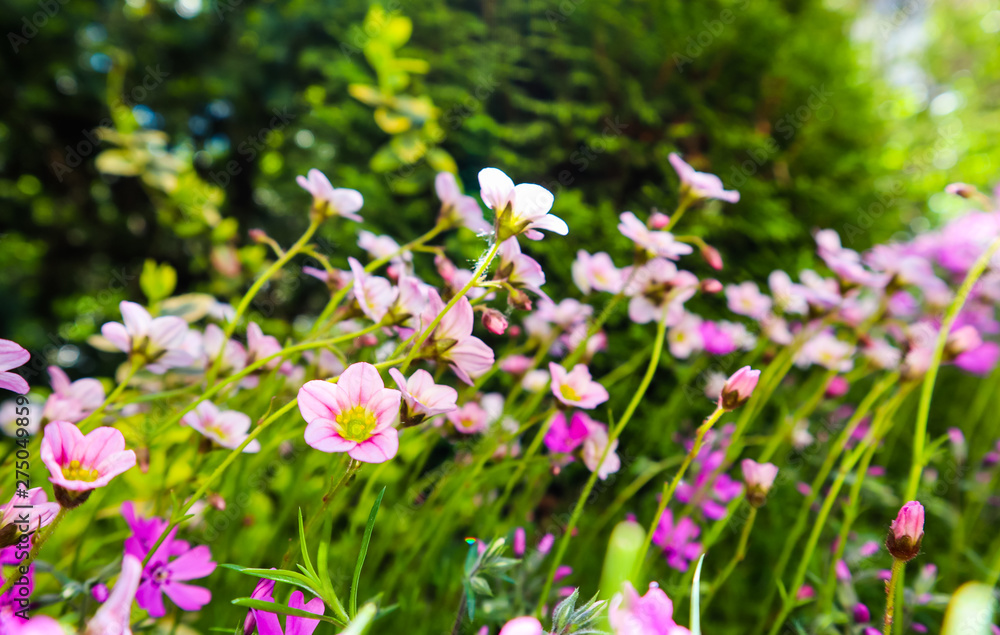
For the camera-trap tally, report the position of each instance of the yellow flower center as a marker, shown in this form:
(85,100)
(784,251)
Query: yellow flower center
(356,424)
(568,392)
(76,472)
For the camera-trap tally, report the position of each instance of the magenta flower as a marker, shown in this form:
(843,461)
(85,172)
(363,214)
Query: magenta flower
(980,360)
(906,532)
(596,272)
(79,463)
(170,577)
(355,415)
(25,515)
(71,401)
(526,625)
(330,201)
(576,389)
(469,419)
(650,614)
(262,591)
(456,207)
(660,244)
(759,478)
(717,337)
(228,428)
(116,612)
(12,355)
(422,398)
(563,438)
(677,541)
(521,209)
(452,341)
(155,343)
(738,388)
(267,623)
(37,625)
(145,533)
(700,185)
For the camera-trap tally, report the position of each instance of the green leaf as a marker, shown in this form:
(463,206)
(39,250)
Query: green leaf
(363,620)
(304,548)
(280,575)
(970,611)
(157,281)
(281,609)
(364,552)
(480,585)
(696,598)
(470,602)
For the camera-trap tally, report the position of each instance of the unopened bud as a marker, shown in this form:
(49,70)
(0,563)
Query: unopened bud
(738,388)
(494,321)
(906,532)
(712,257)
(710,285)
(759,478)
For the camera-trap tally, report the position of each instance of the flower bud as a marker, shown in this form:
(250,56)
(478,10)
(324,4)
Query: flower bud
(906,532)
(711,285)
(658,220)
(99,592)
(258,235)
(494,321)
(738,388)
(961,189)
(526,625)
(861,614)
(712,257)
(759,478)
(960,340)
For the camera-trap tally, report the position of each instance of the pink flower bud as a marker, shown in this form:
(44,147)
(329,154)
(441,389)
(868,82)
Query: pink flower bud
(759,478)
(961,189)
(658,220)
(710,285)
(519,542)
(545,544)
(962,339)
(99,592)
(837,387)
(526,625)
(861,614)
(494,321)
(738,388)
(712,257)
(906,532)
(258,235)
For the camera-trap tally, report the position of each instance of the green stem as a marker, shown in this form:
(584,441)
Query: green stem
(741,552)
(616,430)
(473,281)
(927,390)
(112,398)
(890,595)
(255,288)
(335,486)
(671,487)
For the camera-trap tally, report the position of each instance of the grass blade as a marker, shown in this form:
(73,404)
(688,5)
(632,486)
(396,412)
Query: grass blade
(696,598)
(364,552)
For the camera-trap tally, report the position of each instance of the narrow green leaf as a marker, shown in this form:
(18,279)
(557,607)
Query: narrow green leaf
(363,620)
(281,609)
(303,547)
(696,599)
(364,552)
(470,602)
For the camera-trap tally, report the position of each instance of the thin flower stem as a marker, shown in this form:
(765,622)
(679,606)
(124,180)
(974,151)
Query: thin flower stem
(670,487)
(335,486)
(255,288)
(616,430)
(927,390)
(741,552)
(890,595)
(473,281)
(36,547)
(112,398)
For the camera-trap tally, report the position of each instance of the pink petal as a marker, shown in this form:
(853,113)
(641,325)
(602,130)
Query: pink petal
(361,382)
(532,202)
(136,318)
(59,380)
(14,383)
(98,446)
(378,449)
(168,331)
(12,355)
(318,400)
(385,405)
(116,333)
(322,435)
(496,188)
(187,596)
(196,563)
(150,598)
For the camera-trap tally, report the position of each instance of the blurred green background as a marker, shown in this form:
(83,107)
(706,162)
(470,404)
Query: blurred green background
(823,114)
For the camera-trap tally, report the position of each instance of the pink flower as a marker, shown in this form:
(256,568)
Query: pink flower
(980,360)
(650,614)
(373,293)
(788,296)
(163,575)
(228,428)
(41,625)
(701,185)
(155,343)
(234,356)
(12,355)
(452,341)
(594,447)
(685,337)
(114,615)
(260,346)
(328,200)
(906,532)
(526,625)
(746,299)
(518,270)
(677,541)
(659,244)
(759,478)
(738,388)
(469,419)
(596,272)
(522,209)
(422,398)
(659,290)
(861,614)
(79,463)
(516,364)
(827,351)
(262,591)
(456,207)
(267,623)
(563,438)
(494,321)
(576,389)
(806,592)
(71,401)
(25,515)
(355,415)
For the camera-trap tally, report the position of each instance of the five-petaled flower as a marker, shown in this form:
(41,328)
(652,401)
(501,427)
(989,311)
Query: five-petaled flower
(576,388)
(78,464)
(155,343)
(422,398)
(228,428)
(700,185)
(328,200)
(355,415)
(520,209)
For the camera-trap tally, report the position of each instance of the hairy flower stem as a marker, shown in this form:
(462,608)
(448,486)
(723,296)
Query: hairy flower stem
(86,424)
(890,595)
(42,536)
(741,552)
(670,487)
(473,281)
(927,390)
(254,289)
(615,432)
(335,486)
